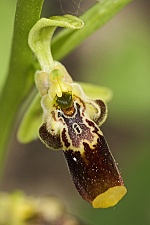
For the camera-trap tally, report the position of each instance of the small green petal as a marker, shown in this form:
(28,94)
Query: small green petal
(96,92)
(28,130)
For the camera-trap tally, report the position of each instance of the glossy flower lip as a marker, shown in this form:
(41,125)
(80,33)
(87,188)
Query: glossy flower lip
(91,164)
(96,175)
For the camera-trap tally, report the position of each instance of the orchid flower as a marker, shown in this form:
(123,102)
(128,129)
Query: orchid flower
(72,119)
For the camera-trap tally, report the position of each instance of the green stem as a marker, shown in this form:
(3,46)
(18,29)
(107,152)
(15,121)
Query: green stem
(15,89)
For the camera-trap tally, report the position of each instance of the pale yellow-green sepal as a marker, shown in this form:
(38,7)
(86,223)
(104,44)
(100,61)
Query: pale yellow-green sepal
(28,130)
(96,92)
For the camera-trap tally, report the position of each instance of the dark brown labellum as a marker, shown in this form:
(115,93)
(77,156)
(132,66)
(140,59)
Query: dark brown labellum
(91,164)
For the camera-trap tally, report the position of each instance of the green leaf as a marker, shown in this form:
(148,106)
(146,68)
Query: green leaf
(94,19)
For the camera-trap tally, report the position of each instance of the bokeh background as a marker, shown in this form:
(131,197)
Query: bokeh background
(117,56)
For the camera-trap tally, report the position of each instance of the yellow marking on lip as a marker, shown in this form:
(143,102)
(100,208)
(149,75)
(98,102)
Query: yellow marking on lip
(110,197)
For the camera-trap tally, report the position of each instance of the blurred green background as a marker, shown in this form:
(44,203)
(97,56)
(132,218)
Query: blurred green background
(117,56)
